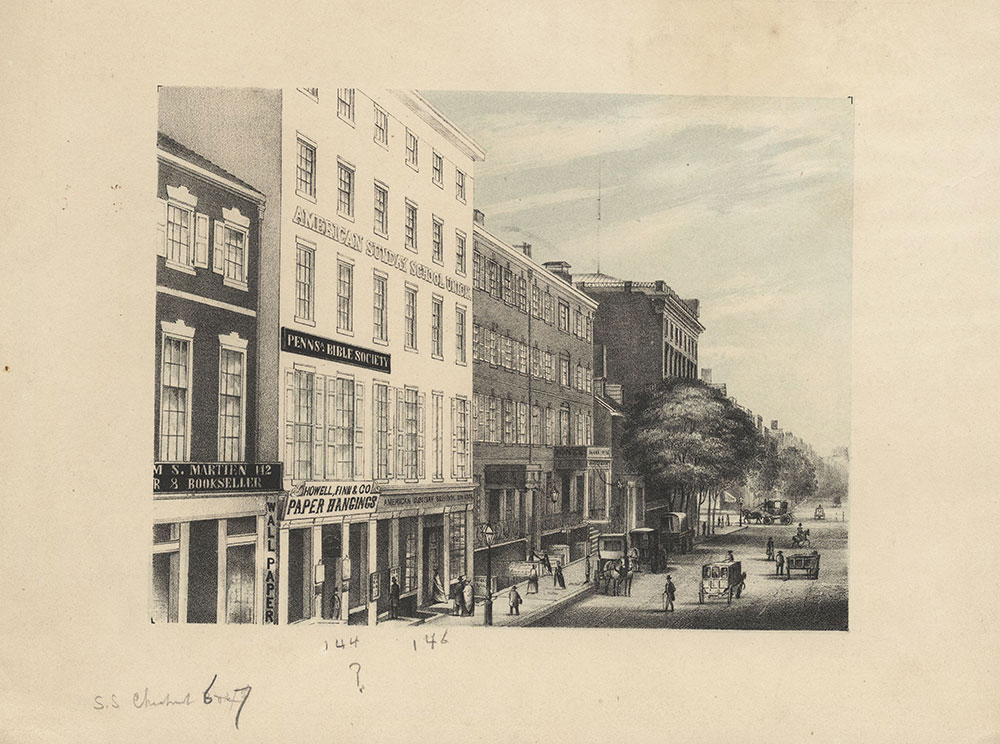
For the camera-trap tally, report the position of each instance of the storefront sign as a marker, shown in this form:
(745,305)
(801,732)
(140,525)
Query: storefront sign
(389,503)
(216,477)
(328,499)
(306,344)
(328,228)
(271,563)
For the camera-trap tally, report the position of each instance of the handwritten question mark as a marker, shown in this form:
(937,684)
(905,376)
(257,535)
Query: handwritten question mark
(357,676)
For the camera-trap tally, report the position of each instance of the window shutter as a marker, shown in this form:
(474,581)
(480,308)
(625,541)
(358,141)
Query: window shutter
(161,228)
(289,423)
(317,464)
(467,470)
(219,249)
(420,435)
(454,438)
(400,472)
(331,428)
(201,240)
(359,431)
(390,443)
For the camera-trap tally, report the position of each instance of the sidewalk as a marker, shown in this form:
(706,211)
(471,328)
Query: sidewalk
(533,606)
(719,532)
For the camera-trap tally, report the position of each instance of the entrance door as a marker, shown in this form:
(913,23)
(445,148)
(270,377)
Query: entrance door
(203,571)
(433,556)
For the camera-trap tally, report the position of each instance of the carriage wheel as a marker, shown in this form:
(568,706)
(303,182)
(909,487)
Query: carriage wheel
(768,520)
(785,519)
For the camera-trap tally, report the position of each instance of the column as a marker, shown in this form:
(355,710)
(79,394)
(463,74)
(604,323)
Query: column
(470,542)
(283,592)
(586,493)
(446,568)
(394,545)
(317,556)
(182,573)
(420,560)
(220,578)
(372,565)
(342,585)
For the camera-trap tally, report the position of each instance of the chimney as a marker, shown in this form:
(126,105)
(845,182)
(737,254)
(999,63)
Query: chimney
(525,248)
(628,285)
(706,375)
(661,286)
(478,217)
(774,424)
(560,269)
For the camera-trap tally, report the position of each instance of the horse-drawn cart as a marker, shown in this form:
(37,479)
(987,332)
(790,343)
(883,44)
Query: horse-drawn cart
(721,579)
(808,563)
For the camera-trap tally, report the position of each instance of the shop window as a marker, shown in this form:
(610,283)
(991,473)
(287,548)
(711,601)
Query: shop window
(456,537)
(166,533)
(241,526)
(408,548)
(240,572)
(166,585)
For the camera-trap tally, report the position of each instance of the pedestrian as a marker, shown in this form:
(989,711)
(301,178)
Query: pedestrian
(633,559)
(729,555)
(457,603)
(335,603)
(779,564)
(628,580)
(620,583)
(586,568)
(515,601)
(532,581)
(668,595)
(438,588)
(394,599)
(469,595)
(728,521)
(557,577)
(770,548)
(546,562)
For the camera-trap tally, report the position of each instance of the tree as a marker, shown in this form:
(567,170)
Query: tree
(689,442)
(796,475)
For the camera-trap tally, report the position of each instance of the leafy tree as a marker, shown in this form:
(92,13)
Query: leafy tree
(690,442)
(796,475)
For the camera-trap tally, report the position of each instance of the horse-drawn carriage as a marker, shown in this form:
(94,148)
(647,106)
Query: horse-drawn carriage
(808,563)
(819,513)
(769,511)
(721,579)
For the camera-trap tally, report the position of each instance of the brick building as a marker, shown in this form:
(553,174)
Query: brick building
(540,483)
(215,482)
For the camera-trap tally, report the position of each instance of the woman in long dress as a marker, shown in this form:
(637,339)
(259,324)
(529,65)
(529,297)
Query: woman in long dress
(440,595)
(469,595)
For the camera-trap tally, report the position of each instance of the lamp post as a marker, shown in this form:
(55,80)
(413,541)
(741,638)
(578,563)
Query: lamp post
(488,536)
(620,485)
(739,505)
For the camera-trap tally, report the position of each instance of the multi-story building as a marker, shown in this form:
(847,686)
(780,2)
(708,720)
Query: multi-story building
(215,484)
(540,484)
(644,333)
(370,209)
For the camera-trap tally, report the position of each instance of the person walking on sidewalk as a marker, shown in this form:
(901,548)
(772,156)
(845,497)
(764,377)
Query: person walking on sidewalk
(515,601)
(469,595)
(394,599)
(586,569)
(668,595)
(457,603)
(779,563)
(770,549)
(557,577)
(532,581)
(628,580)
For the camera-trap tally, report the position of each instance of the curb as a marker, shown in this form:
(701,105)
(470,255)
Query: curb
(543,612)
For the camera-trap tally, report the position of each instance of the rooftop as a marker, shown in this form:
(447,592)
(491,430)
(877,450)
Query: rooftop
(606,281)
(173,147)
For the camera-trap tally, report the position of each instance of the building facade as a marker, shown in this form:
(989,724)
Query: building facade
(540,483)
(368,342)
(215,486)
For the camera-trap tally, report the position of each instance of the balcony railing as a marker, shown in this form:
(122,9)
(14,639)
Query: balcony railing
(505,531)
(562,520)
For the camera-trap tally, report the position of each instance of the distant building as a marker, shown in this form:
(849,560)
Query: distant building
(539,482)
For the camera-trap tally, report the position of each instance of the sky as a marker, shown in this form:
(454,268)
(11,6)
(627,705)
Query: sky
(743,203)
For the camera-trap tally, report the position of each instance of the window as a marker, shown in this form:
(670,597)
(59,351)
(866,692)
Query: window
(166,576)
(180,232)
(522,293)
(550,426)
(578,323)
(508,352)
(345,189)
(380,319)
(508,291)
(305,169)
(232,386)
(564,425)
(460,335)
(437,169)
(496,341)
(508,421)
(437,434)
(564,370)
(588,379)
(301,456)
(411,149)
(437,241)
(175,394)
(522,357)
(493,420)
(235,256)
(410,319)
(460,185)
(563,317)
(311,92)
(461,432)
(588,428)
(305,281)
(381,422)
(411,226)
(412,434)
(536,301)
(456,543)
(381,127)
(590,327)
(536,362)
(460,252)
(408,540)
(437,310)
(578,377)
(381,210)
(547,315)
(550,373)
(478,271)
(345,104)
(494,272)
(522,423)
(344,427)
(345,297)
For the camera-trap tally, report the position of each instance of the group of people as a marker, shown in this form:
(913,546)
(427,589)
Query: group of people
(779,558)
(463,598)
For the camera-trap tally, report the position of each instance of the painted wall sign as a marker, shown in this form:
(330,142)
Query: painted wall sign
(306,344)
(216,477)
(328,499)
(430,499)
(271,563)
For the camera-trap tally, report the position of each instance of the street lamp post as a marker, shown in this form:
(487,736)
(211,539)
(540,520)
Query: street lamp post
(489,535)
(621,492)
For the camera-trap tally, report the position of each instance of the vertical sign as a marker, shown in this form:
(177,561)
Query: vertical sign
(271,562)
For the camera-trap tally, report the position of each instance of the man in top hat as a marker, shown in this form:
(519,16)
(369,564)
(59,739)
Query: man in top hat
(669,590)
